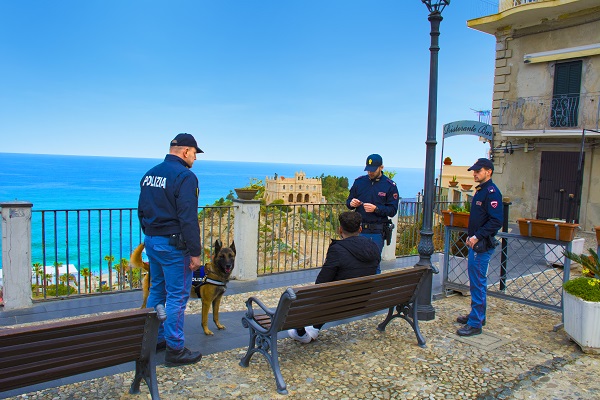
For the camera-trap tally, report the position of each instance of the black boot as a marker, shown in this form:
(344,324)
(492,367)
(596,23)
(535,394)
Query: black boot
(184,356)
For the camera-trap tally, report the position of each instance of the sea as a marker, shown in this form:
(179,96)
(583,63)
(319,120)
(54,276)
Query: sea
(65,182)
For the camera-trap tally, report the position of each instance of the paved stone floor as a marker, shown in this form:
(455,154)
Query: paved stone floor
(527,360)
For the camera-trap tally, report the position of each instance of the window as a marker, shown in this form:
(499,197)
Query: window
(565,99)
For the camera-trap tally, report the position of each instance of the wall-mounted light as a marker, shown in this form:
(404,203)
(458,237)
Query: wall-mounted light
(562,54)
(508,149)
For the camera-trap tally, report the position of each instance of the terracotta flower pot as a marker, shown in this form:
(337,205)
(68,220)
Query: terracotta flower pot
(453,183)
(547,229)
(246,194)
(465,186)
(458,219)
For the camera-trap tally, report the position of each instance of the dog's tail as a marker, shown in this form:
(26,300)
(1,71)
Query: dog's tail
(136,258)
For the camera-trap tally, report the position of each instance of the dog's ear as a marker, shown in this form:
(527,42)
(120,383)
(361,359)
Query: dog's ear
(232,247)
(218,246)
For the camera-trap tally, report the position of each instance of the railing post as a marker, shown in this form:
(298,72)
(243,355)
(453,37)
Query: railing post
(16,254)
(245,226)
(504,245)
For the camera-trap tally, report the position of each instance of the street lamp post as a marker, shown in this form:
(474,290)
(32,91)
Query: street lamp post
(425,310)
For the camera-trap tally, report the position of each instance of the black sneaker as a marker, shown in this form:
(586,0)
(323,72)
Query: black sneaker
(174,358)
(463,319)
(468,330)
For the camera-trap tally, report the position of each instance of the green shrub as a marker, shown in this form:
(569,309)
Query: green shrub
(63,290)
(587,289)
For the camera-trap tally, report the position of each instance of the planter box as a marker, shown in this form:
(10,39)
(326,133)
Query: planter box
(553,252)
(582,322)
(547,230)
(459,219)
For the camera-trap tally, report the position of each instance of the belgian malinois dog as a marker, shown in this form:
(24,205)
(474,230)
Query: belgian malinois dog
(214,283)
(210,289)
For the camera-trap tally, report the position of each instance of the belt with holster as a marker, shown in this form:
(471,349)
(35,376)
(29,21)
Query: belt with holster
(372,227)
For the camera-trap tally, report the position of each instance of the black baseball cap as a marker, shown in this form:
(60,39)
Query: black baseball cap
(374,161)
(482,163)
(187,140)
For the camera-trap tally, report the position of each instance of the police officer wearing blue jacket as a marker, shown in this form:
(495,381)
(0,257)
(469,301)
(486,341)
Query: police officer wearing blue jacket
(168,213)
(484,222)
(375,197)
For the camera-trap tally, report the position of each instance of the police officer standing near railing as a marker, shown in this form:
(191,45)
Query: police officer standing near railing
(168,213)
(375,197)
(487,215)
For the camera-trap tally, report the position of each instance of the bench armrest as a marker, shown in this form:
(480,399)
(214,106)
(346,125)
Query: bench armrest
(250,310)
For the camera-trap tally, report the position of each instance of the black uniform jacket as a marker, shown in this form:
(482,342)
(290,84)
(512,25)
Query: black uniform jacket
(168,202)
(351,257)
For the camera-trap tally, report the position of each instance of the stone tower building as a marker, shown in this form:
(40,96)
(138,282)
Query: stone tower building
(296,190)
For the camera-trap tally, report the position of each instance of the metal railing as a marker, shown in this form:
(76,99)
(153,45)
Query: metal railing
(86,251)
(410,217)
(551,112)
(523,269)
(295,237)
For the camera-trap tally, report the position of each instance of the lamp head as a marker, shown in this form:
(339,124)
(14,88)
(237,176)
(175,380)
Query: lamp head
(436,6)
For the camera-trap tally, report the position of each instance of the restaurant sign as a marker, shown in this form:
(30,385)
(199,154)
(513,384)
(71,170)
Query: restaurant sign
(468,128)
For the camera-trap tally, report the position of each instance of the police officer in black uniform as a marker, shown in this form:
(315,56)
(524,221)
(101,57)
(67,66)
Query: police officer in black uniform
(375,197)
(484,222)
(168,213)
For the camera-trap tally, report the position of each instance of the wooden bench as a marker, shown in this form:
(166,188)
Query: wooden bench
(315,304)
(55,350)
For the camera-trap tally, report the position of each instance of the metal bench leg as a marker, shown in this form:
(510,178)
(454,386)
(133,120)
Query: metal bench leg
(403,311)
(267,346)
(145,370)
(390,316)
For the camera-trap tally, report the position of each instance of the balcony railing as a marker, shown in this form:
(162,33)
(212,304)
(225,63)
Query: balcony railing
(572,112)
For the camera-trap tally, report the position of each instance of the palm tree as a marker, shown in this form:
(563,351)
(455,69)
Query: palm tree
(109,259)
(57,265)
(85,272)
(38,271)
(124,264)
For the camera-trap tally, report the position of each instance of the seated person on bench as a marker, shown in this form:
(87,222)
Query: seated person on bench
(351,257)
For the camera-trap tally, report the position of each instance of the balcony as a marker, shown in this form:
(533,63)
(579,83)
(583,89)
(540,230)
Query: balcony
(550,115)
(496,15)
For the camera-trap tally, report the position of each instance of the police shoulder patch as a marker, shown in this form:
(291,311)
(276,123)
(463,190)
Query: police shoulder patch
(491,189)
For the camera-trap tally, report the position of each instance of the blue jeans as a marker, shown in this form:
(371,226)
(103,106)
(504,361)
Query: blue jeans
(171,280)
(378,239)
(477,269)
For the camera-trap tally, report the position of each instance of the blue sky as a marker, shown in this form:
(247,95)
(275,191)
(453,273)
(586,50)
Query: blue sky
(293,81)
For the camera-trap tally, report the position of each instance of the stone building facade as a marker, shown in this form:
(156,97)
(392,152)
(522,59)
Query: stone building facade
(296,190)
(546,107)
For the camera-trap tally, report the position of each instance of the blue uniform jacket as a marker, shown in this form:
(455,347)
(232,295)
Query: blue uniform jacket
(168,202)
(382,192)
(487,211)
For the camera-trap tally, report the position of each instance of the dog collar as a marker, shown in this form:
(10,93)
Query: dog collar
(218,283)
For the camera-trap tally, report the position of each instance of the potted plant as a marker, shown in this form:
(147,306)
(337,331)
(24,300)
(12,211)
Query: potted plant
(447,161)
(249,191)
(457,216)
(548,229)
(453,182)
(581,303)
(466,186)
